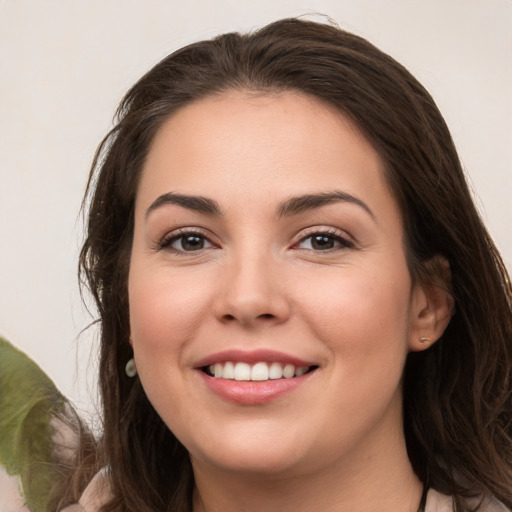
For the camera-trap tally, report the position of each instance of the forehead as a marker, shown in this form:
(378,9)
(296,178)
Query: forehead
(260,146)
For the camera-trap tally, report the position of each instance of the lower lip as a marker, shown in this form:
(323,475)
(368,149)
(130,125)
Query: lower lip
(253,392)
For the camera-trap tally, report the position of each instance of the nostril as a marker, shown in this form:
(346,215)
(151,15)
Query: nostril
(264,316)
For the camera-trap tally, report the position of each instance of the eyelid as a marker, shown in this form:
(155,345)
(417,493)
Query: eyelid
(164,243)
(341,236)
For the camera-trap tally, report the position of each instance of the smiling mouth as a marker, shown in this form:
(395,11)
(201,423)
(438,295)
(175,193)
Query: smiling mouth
(261,371)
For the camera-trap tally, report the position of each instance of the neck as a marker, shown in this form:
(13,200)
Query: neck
(364,484)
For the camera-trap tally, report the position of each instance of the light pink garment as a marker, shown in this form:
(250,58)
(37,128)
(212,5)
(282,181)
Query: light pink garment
(437,502)
(11,499)
(98,492)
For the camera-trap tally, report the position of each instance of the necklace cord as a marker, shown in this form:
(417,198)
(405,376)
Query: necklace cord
(423,500)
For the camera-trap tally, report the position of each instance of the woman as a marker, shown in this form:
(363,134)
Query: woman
(299,305)
(294,196)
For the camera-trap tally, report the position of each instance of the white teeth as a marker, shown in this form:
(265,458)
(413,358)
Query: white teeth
(275,371)
(288,371)
(257,372)
(229,370)
(242,371)
(300,370)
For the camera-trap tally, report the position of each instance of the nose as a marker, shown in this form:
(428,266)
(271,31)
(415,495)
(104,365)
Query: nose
(252,293)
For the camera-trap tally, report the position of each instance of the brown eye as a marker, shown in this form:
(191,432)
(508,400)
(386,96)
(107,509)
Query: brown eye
(191,242)
(188,242)
(324,242)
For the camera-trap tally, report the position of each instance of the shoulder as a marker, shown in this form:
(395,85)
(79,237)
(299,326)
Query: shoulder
(96,494)
(493,505)
(437,502)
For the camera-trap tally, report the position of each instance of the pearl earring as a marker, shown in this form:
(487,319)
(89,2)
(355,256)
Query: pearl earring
(130,368)
(425,339)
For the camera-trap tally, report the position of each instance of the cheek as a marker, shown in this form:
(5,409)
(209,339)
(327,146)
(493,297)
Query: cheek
(165,311)
(165,314)
(361,315)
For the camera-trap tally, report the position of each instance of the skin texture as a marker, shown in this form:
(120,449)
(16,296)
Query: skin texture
(258,282)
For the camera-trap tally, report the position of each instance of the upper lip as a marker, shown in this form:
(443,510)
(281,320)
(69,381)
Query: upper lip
(251,357)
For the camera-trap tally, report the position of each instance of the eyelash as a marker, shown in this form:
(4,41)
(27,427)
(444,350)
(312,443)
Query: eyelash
(167,241)
(326,234)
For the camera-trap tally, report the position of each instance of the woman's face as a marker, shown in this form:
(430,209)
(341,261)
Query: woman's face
(267,242)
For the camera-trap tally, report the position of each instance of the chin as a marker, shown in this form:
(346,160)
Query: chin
(253,452)
(256,462)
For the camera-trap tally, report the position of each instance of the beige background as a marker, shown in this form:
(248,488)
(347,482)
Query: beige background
(66,63)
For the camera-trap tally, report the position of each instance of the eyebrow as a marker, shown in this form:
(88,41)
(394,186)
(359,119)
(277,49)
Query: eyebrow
(307,202)
(197,203)
(288,208)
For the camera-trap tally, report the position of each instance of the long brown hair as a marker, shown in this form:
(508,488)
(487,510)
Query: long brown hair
(457,394)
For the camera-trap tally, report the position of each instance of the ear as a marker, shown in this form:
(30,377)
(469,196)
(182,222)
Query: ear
(432,304)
